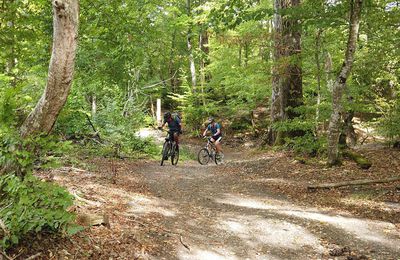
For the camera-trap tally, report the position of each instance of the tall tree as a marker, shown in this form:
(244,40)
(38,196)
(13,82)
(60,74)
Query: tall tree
(287,90)
(61,69)
(340,84)
(190,48)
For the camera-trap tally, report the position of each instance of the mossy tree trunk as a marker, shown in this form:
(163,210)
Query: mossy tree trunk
(287,91)
(335,123)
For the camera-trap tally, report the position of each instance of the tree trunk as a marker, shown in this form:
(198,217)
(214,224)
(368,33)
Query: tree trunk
(340,84)
(240,55)
(190,50)
(94,106)
(203,46)
(171,64)
(61,68)
(287,89)
(318,63)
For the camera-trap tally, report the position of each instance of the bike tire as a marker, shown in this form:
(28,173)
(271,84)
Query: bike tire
(164,153)
(203,156)
(174,155)
(217,159)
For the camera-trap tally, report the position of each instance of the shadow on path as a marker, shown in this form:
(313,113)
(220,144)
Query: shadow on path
(220,216)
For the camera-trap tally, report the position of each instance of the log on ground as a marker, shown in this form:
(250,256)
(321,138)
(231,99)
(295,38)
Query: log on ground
(350,183)
(358,158)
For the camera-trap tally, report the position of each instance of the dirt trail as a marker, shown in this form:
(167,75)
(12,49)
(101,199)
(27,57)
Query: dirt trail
(210,213)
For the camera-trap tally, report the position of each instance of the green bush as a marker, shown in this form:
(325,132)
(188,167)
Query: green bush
(29,205)
(389,124)
(307,144)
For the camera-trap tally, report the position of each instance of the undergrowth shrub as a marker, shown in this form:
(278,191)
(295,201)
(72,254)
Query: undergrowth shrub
(30,205)
(307,144)
(27,204)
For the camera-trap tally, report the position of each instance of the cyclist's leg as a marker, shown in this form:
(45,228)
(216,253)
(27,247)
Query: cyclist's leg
(218,144)
(176,139)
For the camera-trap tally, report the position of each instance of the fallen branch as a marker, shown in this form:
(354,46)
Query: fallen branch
(34,256)
(358,158)
(5,255)
(349,183)
(89,202)
(186,246)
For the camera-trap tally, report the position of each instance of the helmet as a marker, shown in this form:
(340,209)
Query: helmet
(167,115)
(211,119)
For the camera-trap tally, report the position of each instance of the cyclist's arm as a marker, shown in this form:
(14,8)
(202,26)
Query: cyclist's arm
(161,126)
(218,130)
(205,132)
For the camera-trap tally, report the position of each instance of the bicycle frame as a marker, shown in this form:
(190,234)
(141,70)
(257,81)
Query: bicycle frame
(171,152)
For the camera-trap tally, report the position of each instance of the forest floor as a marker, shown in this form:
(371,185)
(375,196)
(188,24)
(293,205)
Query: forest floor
(254,206)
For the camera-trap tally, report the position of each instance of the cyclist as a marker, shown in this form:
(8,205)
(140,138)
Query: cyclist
(174,125)
(216,137)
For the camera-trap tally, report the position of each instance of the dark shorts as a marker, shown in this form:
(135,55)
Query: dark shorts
(217,137)
(174,131)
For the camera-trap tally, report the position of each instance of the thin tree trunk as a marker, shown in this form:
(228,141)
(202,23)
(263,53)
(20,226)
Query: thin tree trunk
(246,54)
(203,46)
(61,69)
(240,55)
(94,105)
(190,50)
(340,84)
(318,63)
(171,63)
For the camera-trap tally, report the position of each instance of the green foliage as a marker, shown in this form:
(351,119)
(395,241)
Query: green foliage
(389,123)
(19,156)
(31,206)
(307,144)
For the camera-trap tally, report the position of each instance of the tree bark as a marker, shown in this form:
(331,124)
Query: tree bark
(61,69)
(190,50)
(340,84)
(318,63)
(203,46)
(287,91)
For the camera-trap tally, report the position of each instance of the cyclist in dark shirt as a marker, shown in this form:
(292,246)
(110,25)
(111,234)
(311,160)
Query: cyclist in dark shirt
(216,137)
(174,125)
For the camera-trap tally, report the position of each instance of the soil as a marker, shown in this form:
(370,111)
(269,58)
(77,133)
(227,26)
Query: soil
(254,206)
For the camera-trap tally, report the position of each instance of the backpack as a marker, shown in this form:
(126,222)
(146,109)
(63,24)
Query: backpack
(176,117)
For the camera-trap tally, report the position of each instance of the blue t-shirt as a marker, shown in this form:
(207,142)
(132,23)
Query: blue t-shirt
(214,128)
(173,123)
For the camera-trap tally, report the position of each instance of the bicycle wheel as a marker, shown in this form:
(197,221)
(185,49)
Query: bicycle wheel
(203,156)
(218,158)
(164,153)
(174,155)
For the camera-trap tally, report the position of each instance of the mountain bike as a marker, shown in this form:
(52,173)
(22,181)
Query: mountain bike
(170,150)
(209,152)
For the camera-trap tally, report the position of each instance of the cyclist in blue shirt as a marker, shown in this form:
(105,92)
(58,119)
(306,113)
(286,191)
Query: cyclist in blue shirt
(216,137)
(174,125)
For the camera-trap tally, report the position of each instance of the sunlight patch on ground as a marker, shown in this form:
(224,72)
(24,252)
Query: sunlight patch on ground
(201,254)
(372,204)
(197,253)
(367,230)
(150,133)
(141,205)
(254,203)
(256,231)
(374,231)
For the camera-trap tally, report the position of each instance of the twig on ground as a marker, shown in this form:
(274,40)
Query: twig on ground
(181,240)
(89,202)
(4,227)
(5,255)
(34,256)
